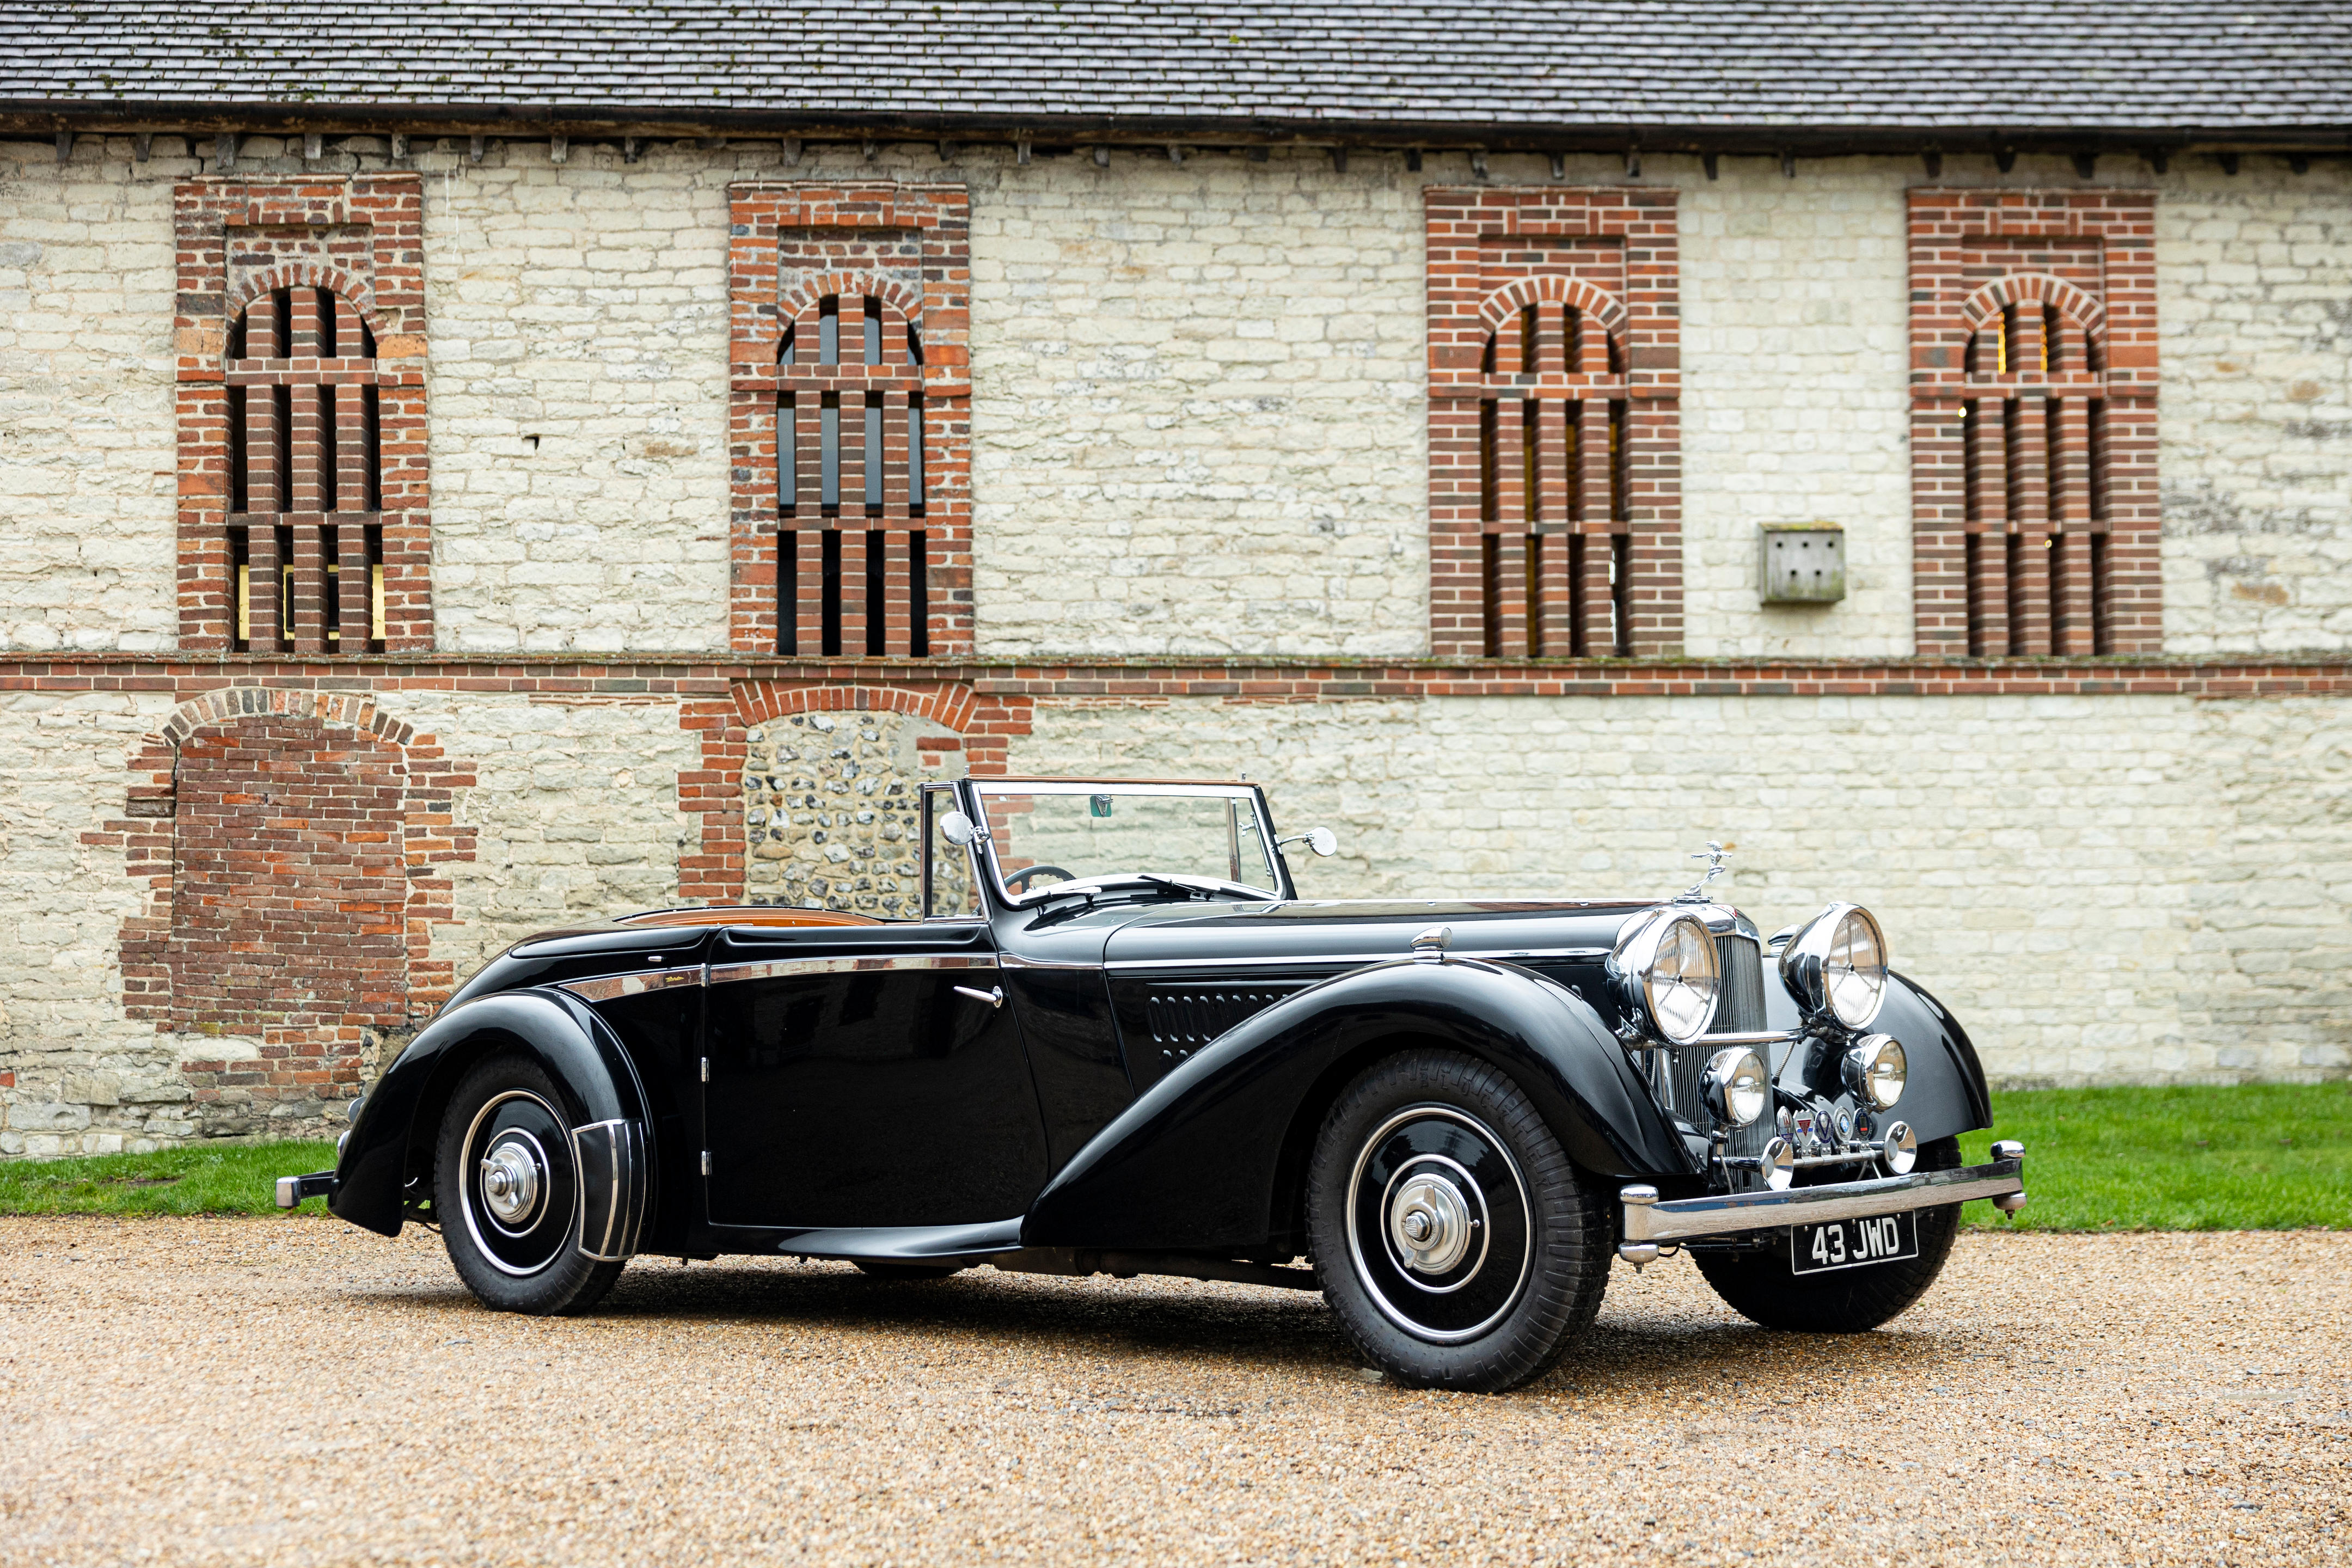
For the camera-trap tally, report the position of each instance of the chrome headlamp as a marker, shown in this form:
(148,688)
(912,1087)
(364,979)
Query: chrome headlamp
(1837,965)
(1666,969)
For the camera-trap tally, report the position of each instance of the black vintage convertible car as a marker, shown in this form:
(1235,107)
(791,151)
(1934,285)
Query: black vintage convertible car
(1120,1041)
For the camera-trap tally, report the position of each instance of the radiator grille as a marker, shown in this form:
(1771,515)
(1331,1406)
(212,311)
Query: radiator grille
(1741,1011)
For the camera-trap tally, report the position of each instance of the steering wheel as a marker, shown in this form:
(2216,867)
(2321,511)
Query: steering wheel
(1012,884)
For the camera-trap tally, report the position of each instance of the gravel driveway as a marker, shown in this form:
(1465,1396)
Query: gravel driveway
(295,1391)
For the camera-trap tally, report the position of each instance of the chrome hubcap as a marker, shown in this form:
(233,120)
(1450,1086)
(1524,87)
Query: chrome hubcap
(1430,1220)
(510,1182)
(520,1194)
(1440,1229)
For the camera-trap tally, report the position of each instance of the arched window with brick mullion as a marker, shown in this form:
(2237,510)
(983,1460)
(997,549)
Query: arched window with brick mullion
(852,497)
(1554,378)
(2036,523)
(849,419)
(306,474)
(2034,444)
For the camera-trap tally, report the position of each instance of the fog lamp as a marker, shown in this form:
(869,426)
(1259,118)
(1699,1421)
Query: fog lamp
(1875,1068)
(1738,1091)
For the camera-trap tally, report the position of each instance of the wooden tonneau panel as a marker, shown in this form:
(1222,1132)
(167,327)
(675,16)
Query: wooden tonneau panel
(773,915)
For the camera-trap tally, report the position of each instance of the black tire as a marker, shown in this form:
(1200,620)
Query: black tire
(516,1255)
(1513,1246)
(908,1272)
(1765,1288)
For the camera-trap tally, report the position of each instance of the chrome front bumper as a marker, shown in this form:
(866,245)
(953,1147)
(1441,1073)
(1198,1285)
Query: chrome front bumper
(1648,1222)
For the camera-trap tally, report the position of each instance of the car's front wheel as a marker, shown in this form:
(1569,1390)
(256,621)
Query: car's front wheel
(1455,1241)
(505,1184)
(1764,1287)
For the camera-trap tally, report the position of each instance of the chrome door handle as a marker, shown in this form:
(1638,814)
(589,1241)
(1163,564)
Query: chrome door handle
(993,995)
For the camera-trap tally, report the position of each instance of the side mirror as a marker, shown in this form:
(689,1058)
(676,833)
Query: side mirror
(1321,840)
(957,828)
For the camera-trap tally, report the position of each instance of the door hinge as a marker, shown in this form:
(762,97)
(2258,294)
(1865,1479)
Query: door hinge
(706,1162)
(706,1069)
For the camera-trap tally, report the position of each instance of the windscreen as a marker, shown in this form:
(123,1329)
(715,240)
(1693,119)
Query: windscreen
(1044,837)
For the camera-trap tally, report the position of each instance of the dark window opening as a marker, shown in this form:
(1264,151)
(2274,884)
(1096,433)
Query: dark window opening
(873,330)
(1620,594)
(914,345)
(787,456)
(372,542)
(240,572)
(1491,583)
(788,592)
(829,588)
(877,624)
(1489,505)
(785,351)
(828,440)
(331,600)
(239,497)
(915,502)
(1529,344)
(1972,545)
(873,454)
(919,594)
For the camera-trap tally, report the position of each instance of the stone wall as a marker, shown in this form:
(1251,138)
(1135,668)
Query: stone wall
(87,455)
(2254,299)
(2103,888)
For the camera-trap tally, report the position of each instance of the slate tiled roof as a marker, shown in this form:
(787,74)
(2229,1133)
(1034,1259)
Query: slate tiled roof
(2182,66)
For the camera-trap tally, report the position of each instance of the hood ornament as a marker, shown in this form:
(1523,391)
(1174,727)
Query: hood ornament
(1719,860)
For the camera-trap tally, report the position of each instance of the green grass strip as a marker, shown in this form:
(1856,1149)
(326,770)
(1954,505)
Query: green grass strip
(219,1178)
(2271,1156)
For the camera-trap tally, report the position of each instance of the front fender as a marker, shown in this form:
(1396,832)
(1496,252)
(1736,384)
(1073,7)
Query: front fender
(1199,1160)
(399,1123)
(1946,1092)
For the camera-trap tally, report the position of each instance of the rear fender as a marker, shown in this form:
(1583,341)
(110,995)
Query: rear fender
(391,1143)
(1206,1158)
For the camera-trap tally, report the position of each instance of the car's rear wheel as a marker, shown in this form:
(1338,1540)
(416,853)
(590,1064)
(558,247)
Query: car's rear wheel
(505,1184)
(1456,1242)
(1764,1287)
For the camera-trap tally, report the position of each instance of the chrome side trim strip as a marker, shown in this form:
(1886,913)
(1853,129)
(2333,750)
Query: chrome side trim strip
(612,988)
(1733,1213)
(775,968)
(1520,955)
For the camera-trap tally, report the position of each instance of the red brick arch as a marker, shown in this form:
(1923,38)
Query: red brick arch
(1512,297)
(803,297)
(2037,289)
(309,275)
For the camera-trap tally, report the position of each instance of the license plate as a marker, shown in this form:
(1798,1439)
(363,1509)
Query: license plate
(1853,1243)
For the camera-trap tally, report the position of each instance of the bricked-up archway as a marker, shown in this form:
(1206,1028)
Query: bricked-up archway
(957,730)
(294,882)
